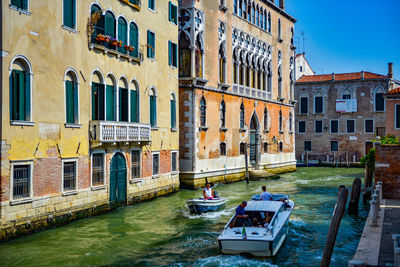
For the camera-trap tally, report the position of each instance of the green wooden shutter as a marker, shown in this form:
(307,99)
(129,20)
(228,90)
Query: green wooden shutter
(73,14)
(173,114)
(110,103)
(175,55)
(94,92)
(69,87)
(25,4)
(149,43)
(153,111)
(169,11)
(133,40)
(101,101)
(14,95)
(169,53)
(69,13)
(176,14)
(22,96)
(76,103)
(122,35)
(134,106)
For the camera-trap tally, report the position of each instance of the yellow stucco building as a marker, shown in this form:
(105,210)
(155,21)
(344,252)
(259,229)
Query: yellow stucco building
(89,104)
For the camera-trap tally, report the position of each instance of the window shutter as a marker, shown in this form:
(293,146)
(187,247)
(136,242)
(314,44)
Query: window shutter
(133,106)
(101,103)
(110,103)
(169,52)
(175,8)
(148,43)
(76,103)
(94,91)
(169,11)
(14,95)
(25,4)
(173,114)
(22,96)
(133,39)
(68,102)
(73,24)
(175,55)
(120,103)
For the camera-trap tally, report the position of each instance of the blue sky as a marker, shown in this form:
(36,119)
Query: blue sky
(348,35)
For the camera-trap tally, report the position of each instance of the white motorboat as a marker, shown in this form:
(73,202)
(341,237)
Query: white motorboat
(202,205)
(260,241)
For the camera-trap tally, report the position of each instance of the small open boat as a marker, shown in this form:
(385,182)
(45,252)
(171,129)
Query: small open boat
(202,205)
(258,240)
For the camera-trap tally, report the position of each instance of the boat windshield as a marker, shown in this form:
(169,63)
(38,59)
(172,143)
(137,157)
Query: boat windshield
(254,219)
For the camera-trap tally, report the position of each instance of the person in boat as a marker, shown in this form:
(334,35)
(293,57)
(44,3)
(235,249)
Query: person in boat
(240,217)
(208,193)
(265,195)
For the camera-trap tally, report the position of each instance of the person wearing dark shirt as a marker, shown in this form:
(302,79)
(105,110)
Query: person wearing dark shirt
(240,216)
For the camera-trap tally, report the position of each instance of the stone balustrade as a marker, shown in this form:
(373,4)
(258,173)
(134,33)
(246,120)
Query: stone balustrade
(111,131)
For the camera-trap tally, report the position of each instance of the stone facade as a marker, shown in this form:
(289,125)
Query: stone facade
(387,169)
(76,134)
(339,115)
(236,88)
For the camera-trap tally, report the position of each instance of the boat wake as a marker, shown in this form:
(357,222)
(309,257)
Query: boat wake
(227,261)
(208,215)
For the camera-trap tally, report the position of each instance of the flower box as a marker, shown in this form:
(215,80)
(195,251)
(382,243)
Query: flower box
(100,38)
(129,48)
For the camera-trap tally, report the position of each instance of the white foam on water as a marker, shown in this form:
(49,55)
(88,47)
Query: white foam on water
(208,215)
(228,261)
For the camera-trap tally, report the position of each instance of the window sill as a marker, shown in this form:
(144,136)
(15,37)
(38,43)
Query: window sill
(116,53)
(72,125)
(155,128)
(203,128)
(70,29)
(174,129)
(174,172)
(156,176)
(136,181)
(20,10)
(152,10)
(98,187)
(22,123)
(69,193)
(21,201)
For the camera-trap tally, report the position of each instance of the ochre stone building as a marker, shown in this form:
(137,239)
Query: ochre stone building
(89,104)
(236,81)
(339,115)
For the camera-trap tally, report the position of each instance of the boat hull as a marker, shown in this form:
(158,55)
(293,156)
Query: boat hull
(199,206)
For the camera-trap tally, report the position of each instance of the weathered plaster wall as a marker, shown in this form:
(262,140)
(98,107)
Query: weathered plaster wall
(390,116)
(387,169)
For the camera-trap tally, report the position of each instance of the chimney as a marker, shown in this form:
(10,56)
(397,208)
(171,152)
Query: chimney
(390,70)
(282,4)
(333,76)
(362,75)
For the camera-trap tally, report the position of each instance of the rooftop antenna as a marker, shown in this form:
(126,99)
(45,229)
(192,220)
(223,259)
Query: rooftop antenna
(322,70)
(304,41)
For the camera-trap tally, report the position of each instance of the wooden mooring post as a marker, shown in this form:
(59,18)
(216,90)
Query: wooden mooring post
(355,196)
(246,162)
(367,183)
(334,227)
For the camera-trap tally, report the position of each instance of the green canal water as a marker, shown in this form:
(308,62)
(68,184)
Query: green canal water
(163,233)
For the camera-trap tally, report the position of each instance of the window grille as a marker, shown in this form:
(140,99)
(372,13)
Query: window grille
(173,161)
(222,148)
(98,169)
(69,176)
(21,181)
(135,164)
(156,164)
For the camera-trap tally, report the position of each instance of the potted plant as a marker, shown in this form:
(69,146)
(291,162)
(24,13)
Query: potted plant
(100,38)
(119,43)
(127,47)
(131,48)
(113,41)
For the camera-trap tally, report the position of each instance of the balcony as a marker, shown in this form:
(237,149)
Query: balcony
(111,132)
(251,92)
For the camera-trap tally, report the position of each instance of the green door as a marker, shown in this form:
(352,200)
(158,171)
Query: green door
(118,181)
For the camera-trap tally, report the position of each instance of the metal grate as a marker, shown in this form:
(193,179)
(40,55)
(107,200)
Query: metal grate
(135,164)
(156,164)
(69,176)
(21,181)
(98,169)
(173,161)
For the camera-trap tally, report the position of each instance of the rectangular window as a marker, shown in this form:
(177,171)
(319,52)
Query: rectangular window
(151,44)
(156,164)
(71,95)
(173,114)
(334,126)
(318,126)
(303,105)
(319,106)
(135,164)
(22,4)
(151,4)
(397,116)
(97,169)
(350,126)
(242,148)
(307,145)
(69,176)
(153,111)
(173,13)
(369,126)
(172,54)
(174,161)
(334,146)
(379,102)
(21,181)
(302,126)
(69,14)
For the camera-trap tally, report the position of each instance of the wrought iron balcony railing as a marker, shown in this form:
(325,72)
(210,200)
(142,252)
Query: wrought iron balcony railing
(111,131)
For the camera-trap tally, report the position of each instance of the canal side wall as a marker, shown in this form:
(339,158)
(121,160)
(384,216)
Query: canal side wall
(387,169)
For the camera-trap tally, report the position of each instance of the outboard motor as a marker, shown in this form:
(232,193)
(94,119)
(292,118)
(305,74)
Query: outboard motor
(216,194)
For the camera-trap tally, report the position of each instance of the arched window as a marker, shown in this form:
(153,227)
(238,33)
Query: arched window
(134,39)
(346,94)
(242,148)
(269,78)
(20,90)
(185,56)
(203,109)
(123,100)
(241,69)
(290,122)
(249,11)
(318,103)
(379,100)
(134,102)
(198,57)
(248,70)
(265,147)
(266,119)
(173,111)
(242,117)
(110,99)
(254,73)
(253,13)
(280,122)
(71,97)
(241,4)
(153,107)
(222,63)
(235,7)
(109,28)
(235,65)
(257,16)
(280,82)
(280,146)
(222,149)
(122,34)
(279,29)
(303,103)
(222,114)
(98,97)
(98,19)
(269,22)
(265,25)
(261,25)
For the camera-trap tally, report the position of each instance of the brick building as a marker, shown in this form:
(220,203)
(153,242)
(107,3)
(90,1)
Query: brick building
(393,112)
(236,84)
(88,108)
(340,114)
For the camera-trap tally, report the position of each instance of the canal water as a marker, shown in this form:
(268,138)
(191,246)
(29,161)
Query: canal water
(163,233)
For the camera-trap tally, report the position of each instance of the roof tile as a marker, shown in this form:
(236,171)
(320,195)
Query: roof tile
(340,77)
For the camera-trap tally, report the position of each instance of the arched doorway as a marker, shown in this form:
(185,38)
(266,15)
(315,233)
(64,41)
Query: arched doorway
(254,129)
(118,180)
